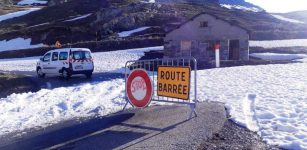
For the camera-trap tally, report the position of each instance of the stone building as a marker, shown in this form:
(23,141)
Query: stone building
(197,38)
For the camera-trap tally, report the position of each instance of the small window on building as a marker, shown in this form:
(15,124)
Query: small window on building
(55,56)
(204,24)
(63,55)
(186,46)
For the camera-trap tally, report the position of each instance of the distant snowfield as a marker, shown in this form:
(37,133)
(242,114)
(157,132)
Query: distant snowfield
(17,43)
(287,19)
(31,2)
(253,9)
(278,56)
(129,33)
(278,43)
(269,99)
(17,14)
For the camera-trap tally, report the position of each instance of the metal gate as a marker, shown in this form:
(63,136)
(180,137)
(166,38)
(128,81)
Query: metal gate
(151,66)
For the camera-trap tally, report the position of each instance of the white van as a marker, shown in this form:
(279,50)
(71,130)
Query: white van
(66,62)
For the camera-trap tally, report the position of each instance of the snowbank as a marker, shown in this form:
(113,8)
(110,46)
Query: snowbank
(128,33)
(278,43)
(18,43)
(269,99)
(78,18)
(277,56)
(287,19)
(17,14)
(31,2)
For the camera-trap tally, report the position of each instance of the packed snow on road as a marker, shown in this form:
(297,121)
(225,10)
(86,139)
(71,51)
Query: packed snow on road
(268,99)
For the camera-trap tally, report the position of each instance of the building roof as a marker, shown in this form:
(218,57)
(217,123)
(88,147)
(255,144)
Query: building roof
(215,16)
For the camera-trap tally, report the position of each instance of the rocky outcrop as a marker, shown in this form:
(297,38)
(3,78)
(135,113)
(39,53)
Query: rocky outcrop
(4,3)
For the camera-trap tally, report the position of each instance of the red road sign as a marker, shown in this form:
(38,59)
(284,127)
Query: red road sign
(139,88)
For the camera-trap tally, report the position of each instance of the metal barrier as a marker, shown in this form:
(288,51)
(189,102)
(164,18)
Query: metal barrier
(151,66)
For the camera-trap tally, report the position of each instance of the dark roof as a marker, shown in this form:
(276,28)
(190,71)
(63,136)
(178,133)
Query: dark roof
(215,16)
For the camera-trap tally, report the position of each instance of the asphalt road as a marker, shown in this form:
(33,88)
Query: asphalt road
(156,127)
(51,82)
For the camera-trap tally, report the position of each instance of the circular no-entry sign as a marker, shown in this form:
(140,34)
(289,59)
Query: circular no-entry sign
(139,88)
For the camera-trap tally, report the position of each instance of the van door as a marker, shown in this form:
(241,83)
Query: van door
(46,63)
(54,63)
(82,61)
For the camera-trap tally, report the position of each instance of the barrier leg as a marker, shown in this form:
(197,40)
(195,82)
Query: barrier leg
(193,111)
(125,105)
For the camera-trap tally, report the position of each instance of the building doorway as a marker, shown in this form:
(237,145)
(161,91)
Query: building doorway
(234,50)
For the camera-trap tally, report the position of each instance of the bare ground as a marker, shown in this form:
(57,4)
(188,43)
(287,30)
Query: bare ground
(11,83)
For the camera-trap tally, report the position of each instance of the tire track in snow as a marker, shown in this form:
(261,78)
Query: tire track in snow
(249,111)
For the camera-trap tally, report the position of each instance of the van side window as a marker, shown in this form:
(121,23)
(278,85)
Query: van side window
(63,55)
(46,57)
(55,56)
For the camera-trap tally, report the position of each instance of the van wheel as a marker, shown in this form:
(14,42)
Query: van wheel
(89,75)
(40,73)
(65,74)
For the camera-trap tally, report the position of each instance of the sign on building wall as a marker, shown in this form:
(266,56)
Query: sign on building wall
(174,82)
(185,46)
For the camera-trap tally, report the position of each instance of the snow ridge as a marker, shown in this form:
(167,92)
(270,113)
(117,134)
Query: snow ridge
(248,106)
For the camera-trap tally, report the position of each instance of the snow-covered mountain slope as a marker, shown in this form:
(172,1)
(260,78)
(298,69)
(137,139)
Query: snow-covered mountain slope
(295,17)
(280,17)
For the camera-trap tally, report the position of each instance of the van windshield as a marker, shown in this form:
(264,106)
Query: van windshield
(79,55)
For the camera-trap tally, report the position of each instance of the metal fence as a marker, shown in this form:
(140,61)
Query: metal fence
(151,66)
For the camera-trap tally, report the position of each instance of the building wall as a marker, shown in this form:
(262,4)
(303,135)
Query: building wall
(217,30)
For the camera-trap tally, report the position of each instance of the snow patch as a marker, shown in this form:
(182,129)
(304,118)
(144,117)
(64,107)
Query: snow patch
(128,33)
(17,14)
(287,19)
(253,9)
(46,23)
(17,44)
(78,18)
(31,2)
(278,43)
